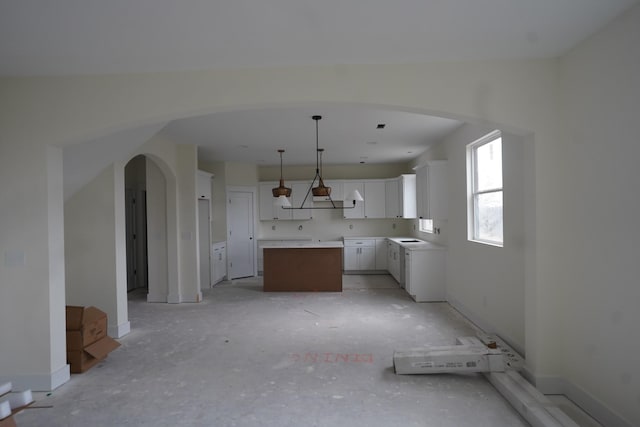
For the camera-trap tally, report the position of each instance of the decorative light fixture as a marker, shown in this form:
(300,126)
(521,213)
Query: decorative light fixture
(320,191)
(281,192)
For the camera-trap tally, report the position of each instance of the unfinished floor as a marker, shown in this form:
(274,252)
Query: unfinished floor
(243,357)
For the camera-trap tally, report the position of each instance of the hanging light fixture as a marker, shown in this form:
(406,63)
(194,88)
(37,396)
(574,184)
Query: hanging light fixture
(321,190)
(281,192)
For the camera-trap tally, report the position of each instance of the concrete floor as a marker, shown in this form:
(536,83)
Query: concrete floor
(243,357)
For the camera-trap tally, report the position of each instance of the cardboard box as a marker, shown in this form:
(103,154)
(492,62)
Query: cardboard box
(87,340)
(82,360)
(85,325)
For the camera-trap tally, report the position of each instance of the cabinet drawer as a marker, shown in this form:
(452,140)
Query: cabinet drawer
(360,242)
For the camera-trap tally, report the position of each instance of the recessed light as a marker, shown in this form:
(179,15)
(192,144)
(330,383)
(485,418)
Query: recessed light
(380,126)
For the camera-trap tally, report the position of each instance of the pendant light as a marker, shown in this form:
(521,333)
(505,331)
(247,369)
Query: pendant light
(281,192)
(321,190)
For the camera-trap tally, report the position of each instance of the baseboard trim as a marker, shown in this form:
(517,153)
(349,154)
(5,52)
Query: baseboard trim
(119,331)
(482,324)
(173,298)
(586,401)
(156,297)
(39,382)
(548,384)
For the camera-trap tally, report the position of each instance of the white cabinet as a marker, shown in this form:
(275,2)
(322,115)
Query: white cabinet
(298,192)
(359,254)
(395,266)
(381,254)
(203,185)
(431,190)
(268,209)
(401,197)
(347,188)
(219,261)
(372,191)
(374,198)
(425,274)
(392,202)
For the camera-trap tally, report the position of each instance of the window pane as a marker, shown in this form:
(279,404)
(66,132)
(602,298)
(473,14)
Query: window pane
(489,165)
(488,216)
(426,225)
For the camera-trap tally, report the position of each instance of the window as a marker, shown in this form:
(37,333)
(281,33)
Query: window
(425,225)
(484,165)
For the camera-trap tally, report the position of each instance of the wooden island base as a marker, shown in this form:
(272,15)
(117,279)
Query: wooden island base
(302,269)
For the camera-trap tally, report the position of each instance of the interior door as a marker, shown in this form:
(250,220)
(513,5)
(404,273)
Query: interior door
(240,243)
(204,241)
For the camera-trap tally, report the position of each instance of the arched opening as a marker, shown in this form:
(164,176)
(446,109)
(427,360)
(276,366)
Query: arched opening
(150,227)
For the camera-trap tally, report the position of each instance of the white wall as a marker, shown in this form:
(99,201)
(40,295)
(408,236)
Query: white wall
(95,255)
(522,97)
(157,233)
(601,294)
(486,283)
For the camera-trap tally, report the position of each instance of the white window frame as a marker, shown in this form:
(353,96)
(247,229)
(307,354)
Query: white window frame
(425,225)
(472,193)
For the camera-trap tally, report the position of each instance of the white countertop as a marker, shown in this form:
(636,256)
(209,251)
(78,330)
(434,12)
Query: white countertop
(305,244)
(420,245)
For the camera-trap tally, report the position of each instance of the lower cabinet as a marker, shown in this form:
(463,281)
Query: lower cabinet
(359,254)
(219,261)
(424,274)
(395,263)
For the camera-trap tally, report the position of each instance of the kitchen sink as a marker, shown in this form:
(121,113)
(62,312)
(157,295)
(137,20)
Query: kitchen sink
(411,241)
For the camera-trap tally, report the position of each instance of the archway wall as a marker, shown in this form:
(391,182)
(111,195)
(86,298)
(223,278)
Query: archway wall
(516,95)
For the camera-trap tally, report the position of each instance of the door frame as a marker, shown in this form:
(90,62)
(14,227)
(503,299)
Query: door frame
(254,192)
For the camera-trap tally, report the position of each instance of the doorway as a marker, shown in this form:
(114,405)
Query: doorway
(241,246)
(136,224)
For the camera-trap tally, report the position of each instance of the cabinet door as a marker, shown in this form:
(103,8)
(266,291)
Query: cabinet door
(407,196)
(422,185)
(367,258)
(374,199)
(347,188)
(381,254)
(203,185)
(268,210)
(298,193)
(431,190)
(351,257)
(391,195)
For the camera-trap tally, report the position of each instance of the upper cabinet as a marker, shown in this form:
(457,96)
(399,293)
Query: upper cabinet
(203,185)
(372,191)
(431,190)
(358,210)
(374,198)
(268,209)
(401,197)
(298,192)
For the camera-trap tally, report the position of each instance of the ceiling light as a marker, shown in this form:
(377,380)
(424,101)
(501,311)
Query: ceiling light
(320,190)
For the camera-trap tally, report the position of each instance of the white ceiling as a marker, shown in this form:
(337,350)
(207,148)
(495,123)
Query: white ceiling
(70,37)
(348,134)
(121,36)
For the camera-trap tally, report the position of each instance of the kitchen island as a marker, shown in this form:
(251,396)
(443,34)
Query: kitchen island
(303,267)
